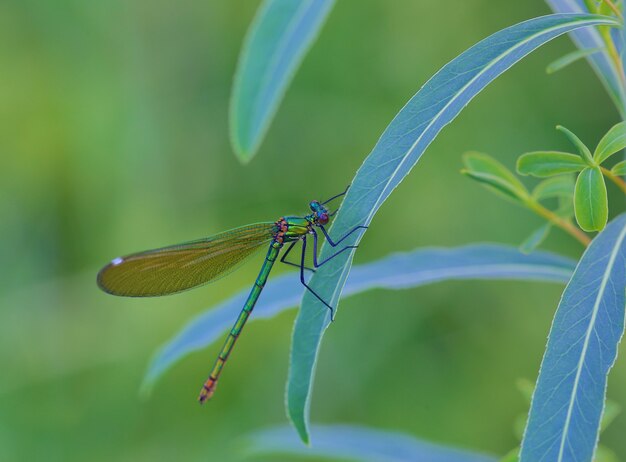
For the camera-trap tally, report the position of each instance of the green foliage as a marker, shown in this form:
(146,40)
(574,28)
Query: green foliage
(494,175)
(590,200)
(549,163)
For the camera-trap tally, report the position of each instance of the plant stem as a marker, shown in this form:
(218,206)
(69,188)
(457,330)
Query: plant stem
(615,9)
(556,220)
(621,184)
(605,33)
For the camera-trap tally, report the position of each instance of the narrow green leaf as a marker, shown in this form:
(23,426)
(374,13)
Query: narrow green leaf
(279,37)
(614,141)
(561,186)
(494,175)
(536,238)
(570,58)
(590,200)
(585,153)
(397,151)
(549,163)
(619,169)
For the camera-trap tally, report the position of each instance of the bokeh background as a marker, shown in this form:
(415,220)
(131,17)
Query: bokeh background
(114,138)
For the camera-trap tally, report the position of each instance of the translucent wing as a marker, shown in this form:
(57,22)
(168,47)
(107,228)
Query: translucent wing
(180,267)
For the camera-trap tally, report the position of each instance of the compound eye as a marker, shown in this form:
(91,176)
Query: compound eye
(322,219)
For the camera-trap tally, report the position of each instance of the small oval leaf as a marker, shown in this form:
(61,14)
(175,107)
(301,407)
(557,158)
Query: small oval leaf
(614,141)
(493,174)
(566,410)
(279,37)
(549,163)
(590,200)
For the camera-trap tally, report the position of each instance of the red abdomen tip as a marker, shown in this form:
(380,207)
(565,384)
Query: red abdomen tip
(207,391)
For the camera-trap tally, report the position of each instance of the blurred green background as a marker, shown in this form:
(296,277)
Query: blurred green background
(114,138)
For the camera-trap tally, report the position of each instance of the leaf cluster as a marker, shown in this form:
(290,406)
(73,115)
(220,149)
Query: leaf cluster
(576,180)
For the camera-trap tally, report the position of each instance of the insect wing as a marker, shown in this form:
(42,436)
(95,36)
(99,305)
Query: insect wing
(180,267)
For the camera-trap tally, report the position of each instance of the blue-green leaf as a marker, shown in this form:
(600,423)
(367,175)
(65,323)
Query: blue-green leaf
(601,62)
(279,37)
(439,101)
(570,58)
(397,271)
(567,405)
(347,442)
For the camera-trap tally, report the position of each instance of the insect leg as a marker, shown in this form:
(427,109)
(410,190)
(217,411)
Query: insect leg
(326,260)
(336,196)
(332,310)
(297,265)
(333,243)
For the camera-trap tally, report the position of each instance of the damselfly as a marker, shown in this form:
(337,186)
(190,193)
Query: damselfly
(176,268)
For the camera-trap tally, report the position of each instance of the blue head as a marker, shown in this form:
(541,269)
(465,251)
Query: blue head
(320,215)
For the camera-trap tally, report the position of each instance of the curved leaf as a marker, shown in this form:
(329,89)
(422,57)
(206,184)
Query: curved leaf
(567,405)
(399,148)
(585,153)
(397,271)
(601,62)
(611,143)
(549,163)
(494,175)
(363,444)
(590,200)
(279,37)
